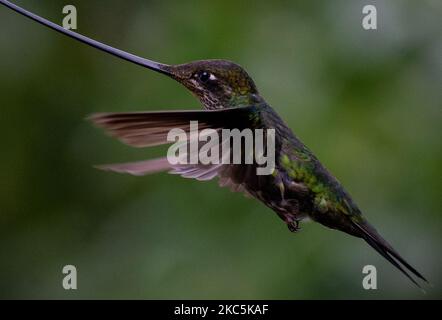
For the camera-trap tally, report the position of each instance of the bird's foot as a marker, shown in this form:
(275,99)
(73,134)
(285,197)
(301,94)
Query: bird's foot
(293,226)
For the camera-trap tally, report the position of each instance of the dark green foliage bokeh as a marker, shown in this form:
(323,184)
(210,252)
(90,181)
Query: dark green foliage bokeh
(368,103)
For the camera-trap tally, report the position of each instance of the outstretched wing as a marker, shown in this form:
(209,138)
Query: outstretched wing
(144,129)
(230,175)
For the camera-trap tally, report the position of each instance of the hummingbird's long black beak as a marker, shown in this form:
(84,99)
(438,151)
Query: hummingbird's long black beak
(159,67)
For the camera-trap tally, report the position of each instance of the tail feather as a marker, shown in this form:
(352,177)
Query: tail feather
(372,237)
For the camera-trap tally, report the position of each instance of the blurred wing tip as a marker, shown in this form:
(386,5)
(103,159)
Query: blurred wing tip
(103,167)
(97,119)
(117,169)
(93,116)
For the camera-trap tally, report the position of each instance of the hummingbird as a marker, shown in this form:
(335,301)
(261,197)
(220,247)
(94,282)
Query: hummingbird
(299,187)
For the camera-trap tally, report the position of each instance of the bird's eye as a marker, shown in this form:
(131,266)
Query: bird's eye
(205,76)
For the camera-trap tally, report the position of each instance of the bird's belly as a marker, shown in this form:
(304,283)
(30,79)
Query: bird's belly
(288,204)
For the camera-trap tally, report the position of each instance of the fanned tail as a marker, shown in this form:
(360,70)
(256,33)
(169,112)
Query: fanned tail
(372,237)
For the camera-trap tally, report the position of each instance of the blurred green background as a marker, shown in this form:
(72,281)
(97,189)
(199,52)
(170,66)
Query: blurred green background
(368,103)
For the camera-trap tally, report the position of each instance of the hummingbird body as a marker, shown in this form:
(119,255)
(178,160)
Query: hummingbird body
(299,185)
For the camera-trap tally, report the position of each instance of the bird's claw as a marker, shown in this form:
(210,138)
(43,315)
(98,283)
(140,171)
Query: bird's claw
(293,226)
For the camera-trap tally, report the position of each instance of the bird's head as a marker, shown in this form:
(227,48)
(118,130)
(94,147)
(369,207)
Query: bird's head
(216,83)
